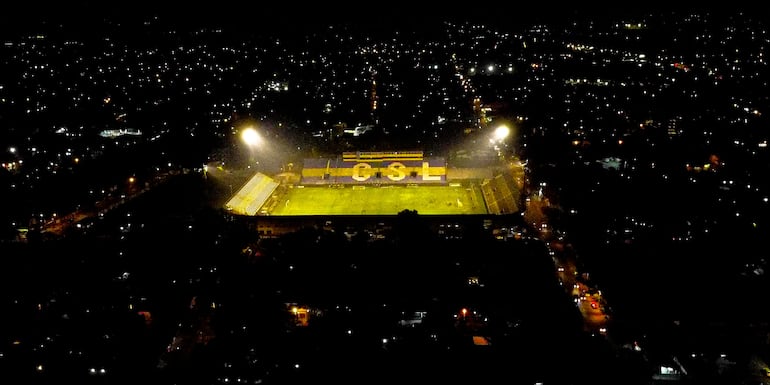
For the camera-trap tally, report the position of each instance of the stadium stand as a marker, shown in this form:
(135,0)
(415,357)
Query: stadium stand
(252,195)
(500,194)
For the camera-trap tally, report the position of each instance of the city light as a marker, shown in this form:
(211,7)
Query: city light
(446,164)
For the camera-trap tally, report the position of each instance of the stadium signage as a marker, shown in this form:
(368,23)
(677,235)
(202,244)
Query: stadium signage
(363,171)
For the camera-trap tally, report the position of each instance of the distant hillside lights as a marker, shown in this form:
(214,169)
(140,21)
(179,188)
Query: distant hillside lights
(120,132)
(11,166)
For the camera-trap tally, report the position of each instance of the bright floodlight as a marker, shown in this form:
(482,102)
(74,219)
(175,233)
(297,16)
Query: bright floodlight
(502,132)
(250,136)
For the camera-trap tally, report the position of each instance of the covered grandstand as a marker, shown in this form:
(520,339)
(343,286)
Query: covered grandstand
(501,194)
(381,167)
(252,195)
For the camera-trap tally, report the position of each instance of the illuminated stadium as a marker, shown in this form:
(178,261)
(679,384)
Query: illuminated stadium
(379,184)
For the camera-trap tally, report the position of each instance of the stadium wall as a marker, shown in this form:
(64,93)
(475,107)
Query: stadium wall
(374,171)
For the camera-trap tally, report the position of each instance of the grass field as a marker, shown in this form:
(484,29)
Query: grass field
(389,200)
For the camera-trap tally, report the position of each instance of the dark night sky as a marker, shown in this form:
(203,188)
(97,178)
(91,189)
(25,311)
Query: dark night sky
(27,16)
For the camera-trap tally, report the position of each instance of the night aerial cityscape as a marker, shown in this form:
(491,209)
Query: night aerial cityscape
(569,198)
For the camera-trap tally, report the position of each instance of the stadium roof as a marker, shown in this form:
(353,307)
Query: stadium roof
(252,195)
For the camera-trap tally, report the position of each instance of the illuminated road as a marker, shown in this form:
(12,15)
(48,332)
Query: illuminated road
(58,227)
(588,299)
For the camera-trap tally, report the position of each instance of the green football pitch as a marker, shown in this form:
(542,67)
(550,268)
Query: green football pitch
(386,200)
